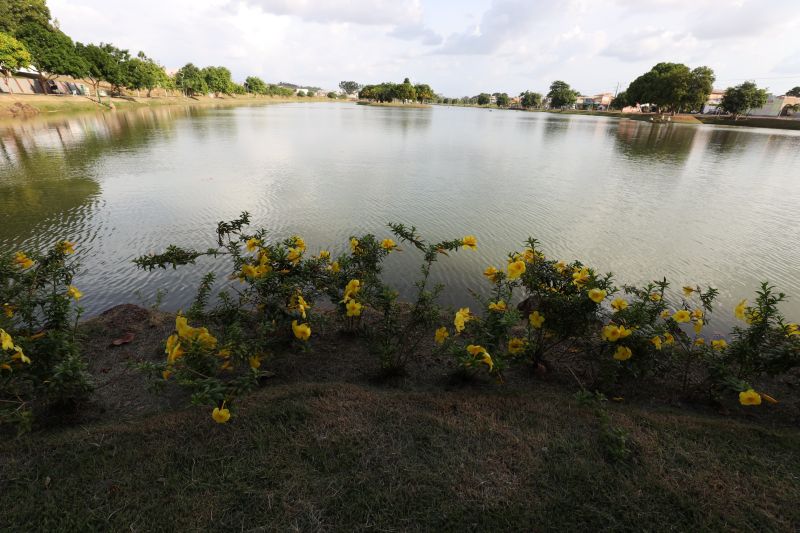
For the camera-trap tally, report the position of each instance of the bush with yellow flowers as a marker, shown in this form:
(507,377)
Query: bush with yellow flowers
(276,284)
(41,366)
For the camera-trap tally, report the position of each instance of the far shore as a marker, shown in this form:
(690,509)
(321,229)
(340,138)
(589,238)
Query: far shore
(714,120)
(392,104)
(14,107)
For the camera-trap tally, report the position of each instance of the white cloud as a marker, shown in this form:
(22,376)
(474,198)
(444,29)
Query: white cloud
(371,12)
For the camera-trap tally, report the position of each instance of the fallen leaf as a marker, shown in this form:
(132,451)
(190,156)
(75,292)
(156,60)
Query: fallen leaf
(125,339)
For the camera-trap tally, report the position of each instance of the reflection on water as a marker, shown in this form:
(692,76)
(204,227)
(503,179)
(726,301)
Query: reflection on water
(697,204)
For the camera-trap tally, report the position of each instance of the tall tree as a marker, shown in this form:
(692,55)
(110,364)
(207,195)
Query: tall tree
(620,101)
(673,87)
(502,100)
(530,99)
(484,98)
(561,94)
(191,80)
(52,53)
(793,92)
(13,55)
(255,85)
(218,79)
(349,87)
(15,13)
(424,92)
(742,98)
(405,91)
(144,73)
(100,65)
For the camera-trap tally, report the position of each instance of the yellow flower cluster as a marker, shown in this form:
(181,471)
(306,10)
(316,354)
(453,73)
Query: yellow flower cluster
(479,353)
(188,335)
(7,345)
(301,331)
(23,260)
(498,306)
(580,276)
(462,317)
(613,333)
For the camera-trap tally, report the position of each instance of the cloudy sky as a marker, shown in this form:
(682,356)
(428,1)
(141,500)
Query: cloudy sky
(459,47)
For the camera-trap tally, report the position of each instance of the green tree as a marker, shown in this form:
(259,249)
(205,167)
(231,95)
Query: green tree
(190,80)
(15,13)
(793,92)
(100,65)
(530,99)
(236,88)
(332,95)
(673,87)
(405,91)
(255,85)
(118,76)
(218,79)
(424,92)
(145,73)
(561,94)
(484,98)
(741,98)
(52,53)
(13,55)
(349,87)
(620,101)
(502,100)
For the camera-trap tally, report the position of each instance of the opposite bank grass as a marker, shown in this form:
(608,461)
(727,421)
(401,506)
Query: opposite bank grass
(349,457)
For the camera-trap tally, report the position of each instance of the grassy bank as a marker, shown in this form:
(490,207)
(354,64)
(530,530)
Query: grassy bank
(14,106)
(324,445)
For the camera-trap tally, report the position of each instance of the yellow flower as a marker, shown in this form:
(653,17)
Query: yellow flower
(249,271)
(698,325)
(618,304)
(19,356)
(719,344)
(665,314)
(221,414)
(252,244)
(698,313)
(740,309)
(335,267)
(183,328)
(479,351)
(174,350)
(656,297)
(561,266)
(301,331)
(792,329)
(623,353)
(441,335)
(597,295)
(516,345)
(353,244)
(613,333)
(298,303)
(749,397)
(353,308)
(536,319)
(353,286)
(580,276)
(699,341)
(5,340)
(166,374)
(205,339)
(255,361)
(324,254)
(8,310)
(73,292)
(668,338)
(491,274)
(294,254)
(687,291)
(299,243)
(388,244)
(23,260)
(470,242)
(682,316)
(462,317)
(487,359)
(516,269)
(67,247)
(656,342)
(499,306)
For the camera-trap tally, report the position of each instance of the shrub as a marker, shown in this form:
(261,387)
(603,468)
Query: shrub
(40,363)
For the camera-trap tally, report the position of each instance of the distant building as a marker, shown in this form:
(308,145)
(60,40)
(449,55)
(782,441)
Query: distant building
(597,102)
(712,103)
(775,106)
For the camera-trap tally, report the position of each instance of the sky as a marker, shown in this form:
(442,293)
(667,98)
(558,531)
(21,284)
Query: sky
(459,47)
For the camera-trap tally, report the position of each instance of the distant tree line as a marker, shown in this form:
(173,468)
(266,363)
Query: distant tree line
(30,39)
(389,92)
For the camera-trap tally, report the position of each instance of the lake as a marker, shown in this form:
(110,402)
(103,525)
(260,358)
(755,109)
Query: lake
(697,204)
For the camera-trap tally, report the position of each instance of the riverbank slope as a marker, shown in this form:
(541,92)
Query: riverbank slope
(325,445)
(21,106)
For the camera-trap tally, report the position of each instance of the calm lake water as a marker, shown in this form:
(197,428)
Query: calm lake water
(697,204)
